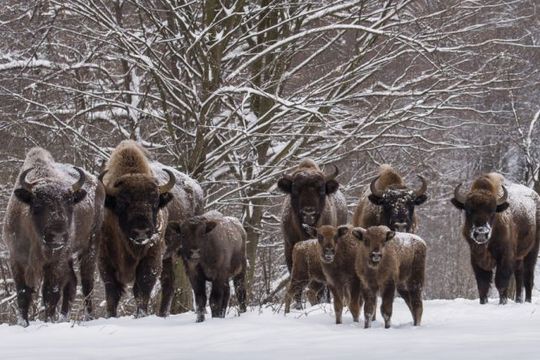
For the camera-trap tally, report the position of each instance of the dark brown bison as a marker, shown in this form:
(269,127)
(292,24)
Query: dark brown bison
(501,228)
(387,261)
(389,202)
(213,248)
(54,214)
(314,200)
(140,197)
(306,271)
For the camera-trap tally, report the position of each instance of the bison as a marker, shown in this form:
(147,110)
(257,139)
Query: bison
(387,261)
(213,248)
(140,197)
(314,200)
(502,229)
(53,215)
(389,202)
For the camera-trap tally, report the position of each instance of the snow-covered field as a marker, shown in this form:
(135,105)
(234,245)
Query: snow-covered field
(458,329)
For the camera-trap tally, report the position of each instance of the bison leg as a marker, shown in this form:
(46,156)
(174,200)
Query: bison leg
(225,297)
(502,280)
(369,307)
(216,297)
(417,307)
(483,282)
(113,287)
(145,279)
(51,289)
(387,295)
(24,293)
(69,291)
(240,290)
(316,293)
(355,303)
(167,286)
(518,274)
(87,263)
(338,303)
(529,264)
(198,283)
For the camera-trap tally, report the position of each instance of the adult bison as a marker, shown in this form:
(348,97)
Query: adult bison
(140,197)
(314,200)
(389,202)
(53,215)
(501,228)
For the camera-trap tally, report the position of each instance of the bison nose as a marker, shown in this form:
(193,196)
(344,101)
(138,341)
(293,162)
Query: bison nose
(196,254)
(481,234)
(308,210)
(376,257)
(142,233)
(400,226)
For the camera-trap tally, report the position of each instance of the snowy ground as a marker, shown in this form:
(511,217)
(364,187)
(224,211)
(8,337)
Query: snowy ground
(458,329)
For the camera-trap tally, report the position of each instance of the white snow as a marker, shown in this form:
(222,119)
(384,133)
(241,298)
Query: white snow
(451,329)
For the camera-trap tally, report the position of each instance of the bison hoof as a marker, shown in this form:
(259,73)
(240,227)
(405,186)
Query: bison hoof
(519,299)
(22,322)
(503,301)
(483,300)
(200,318)
(140,313)
(297,305)
(243,308)
(63,318)
(528,299)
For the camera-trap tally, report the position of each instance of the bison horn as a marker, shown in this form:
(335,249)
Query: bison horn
(503,198)
(374,189)
(102,175)
(169,185)
(458,196)
(423,188)
(82,178)
(22,180)
(332,175)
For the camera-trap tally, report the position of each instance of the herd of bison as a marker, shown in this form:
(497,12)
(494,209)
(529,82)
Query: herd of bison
(138,216)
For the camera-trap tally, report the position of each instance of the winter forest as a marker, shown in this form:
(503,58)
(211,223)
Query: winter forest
(236,93)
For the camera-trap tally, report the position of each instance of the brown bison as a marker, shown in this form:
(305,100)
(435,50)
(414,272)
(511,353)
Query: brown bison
(337,254)
(389,202)
(502,230)
(306,271)
(54,214)
(213,248)
(139,202)
(314,200)
(387,261)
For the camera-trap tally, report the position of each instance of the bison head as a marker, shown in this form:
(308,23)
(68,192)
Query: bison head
(188,236)
(398,204)
(329,238)
(136,200)
(480,208)
(51,206)
(308,190)
(374,240)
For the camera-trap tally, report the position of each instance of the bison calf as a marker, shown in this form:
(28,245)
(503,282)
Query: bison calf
(387,261)
(306,271)
(213,248)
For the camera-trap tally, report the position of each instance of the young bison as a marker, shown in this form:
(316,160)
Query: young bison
(213,248)
(385,261)
(306,271)
(337,252)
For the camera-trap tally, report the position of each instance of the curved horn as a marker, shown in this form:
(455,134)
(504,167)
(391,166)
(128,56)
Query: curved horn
(503,198)
(22,180)
(458,196)
(423,188)
(102,175)
(82,178)
(332,175)
(169,185)
(373,189)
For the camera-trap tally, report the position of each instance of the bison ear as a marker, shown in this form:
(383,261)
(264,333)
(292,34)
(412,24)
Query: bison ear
(390,235)
(377,200)
(457,204)
(502,207)
(173,226)
(210,225)
(110,202)
(420,199)
(79,196)
(24,195)
(358,233)
(342,230)
(331,186)
(164,199)
(310,230)
(285,184)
